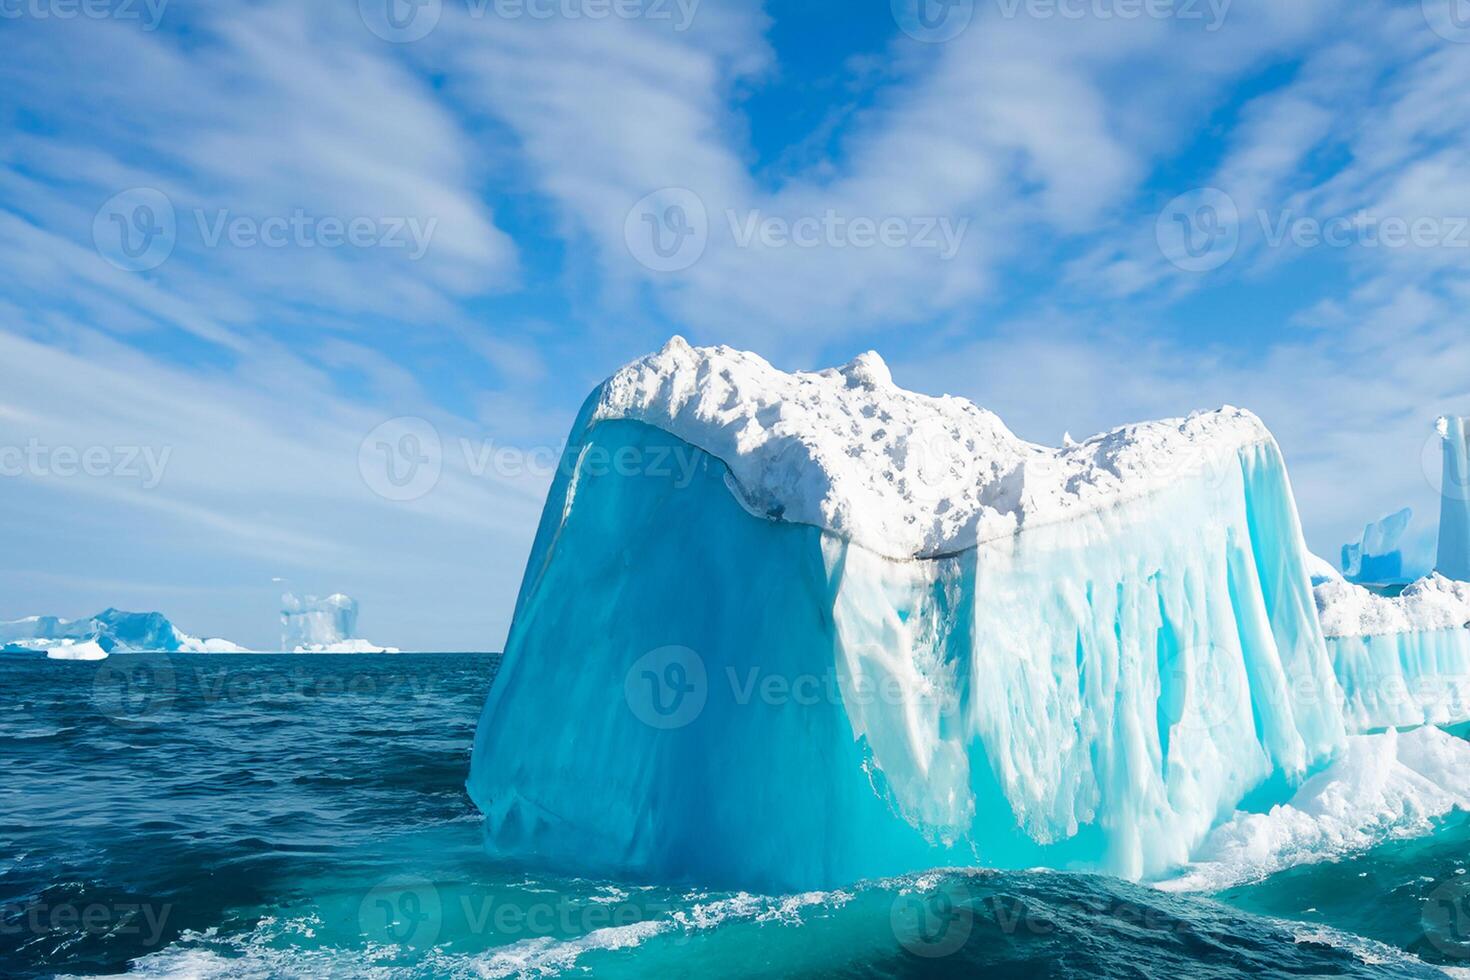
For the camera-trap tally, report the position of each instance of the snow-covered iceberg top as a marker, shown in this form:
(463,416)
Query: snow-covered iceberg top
(110,631)
(1432,603)
(904,474)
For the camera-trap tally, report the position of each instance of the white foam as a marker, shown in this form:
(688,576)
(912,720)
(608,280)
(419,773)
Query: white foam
(904,474)
(1380,787)
(1433,603)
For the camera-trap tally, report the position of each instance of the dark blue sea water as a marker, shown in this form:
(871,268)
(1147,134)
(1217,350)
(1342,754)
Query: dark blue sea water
(300,816)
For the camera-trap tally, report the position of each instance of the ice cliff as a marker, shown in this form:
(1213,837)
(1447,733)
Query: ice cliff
(1454,512)
(792,630)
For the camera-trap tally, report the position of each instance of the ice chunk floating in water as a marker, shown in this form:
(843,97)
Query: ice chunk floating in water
(793,630)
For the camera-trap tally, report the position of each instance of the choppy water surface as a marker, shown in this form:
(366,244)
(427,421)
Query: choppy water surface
(300,816)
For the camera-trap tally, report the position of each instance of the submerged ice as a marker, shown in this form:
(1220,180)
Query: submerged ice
(871,632)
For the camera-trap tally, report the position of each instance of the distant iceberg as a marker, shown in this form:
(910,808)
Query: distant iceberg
(1378,557)
(1454,514)
(870,631)
(312,625)
(110,631)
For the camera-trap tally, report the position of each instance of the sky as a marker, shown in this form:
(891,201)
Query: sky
(306,295)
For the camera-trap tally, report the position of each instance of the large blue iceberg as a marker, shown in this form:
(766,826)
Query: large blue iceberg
(790,631)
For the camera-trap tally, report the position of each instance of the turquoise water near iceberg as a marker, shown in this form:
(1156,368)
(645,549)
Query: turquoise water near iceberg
(298,816)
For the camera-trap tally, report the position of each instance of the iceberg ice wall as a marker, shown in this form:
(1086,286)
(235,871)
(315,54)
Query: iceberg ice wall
(788,631)
(1454,513)
(1403,660)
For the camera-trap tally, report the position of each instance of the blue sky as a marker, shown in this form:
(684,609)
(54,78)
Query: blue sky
(241,244)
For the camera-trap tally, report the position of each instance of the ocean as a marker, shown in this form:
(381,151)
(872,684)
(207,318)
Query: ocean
(305,816)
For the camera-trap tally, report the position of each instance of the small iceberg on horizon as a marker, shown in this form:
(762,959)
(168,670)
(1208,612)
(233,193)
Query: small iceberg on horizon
(329,625)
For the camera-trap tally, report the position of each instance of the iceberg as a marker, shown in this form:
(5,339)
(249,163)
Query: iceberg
(312,625)
(812,628)
(1400,660)
(110,631)
(1454,508)
(1378,556)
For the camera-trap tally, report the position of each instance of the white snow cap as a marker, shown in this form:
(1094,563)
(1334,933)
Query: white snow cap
(904,474)
(1433,603)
